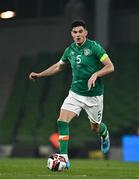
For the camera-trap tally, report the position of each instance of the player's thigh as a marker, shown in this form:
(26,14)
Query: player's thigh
(95,111)
(66,115)
(70,108)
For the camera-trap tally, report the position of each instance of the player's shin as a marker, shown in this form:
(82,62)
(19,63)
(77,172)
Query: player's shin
(63,129)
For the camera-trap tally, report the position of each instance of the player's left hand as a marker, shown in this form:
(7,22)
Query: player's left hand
(91,81)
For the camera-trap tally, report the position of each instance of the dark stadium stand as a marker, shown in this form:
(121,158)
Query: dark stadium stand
(13,111)
(28,123)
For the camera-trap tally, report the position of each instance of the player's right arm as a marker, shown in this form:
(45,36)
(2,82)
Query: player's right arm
(52,69)
(48,72)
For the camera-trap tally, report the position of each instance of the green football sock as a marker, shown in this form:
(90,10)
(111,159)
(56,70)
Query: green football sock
(103,130)
(63,129)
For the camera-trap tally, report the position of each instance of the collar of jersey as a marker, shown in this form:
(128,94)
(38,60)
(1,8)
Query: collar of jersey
(83,45)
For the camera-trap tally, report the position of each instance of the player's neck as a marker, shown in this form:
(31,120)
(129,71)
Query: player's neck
(79,45)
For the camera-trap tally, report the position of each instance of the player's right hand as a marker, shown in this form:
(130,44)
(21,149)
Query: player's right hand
(34,75)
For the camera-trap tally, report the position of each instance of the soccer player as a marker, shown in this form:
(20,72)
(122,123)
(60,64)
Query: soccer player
(89,63)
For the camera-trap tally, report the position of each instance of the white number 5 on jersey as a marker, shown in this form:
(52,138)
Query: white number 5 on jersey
(78,59)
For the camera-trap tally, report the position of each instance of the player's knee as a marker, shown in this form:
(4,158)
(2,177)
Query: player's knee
(95,127)
(66,115)
(63,118)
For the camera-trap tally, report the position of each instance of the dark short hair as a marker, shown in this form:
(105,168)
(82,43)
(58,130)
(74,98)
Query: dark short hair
(77,23)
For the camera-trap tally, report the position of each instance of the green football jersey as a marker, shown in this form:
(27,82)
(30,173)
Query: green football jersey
(85,60)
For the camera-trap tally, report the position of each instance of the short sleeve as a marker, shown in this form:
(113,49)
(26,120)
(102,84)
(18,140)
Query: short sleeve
(64,57)
(100,52)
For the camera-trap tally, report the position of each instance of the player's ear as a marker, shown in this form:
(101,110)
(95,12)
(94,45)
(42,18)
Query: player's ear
(86,32)
(71,33)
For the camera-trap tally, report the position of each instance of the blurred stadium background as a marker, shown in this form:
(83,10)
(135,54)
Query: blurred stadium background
(34,39)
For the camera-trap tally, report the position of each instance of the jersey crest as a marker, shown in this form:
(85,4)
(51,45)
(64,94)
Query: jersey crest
(86,52)
(72,53)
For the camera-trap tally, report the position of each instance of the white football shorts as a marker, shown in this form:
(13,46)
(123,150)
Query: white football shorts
(92,105)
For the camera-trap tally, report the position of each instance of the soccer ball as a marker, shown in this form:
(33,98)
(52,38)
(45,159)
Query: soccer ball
(56,162)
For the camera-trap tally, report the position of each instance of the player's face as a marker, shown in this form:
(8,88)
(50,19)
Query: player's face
(79,34)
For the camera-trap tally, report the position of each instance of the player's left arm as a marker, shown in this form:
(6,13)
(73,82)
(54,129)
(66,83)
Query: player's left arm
(108,67)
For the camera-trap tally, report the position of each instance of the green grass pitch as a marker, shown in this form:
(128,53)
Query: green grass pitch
(29,168)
